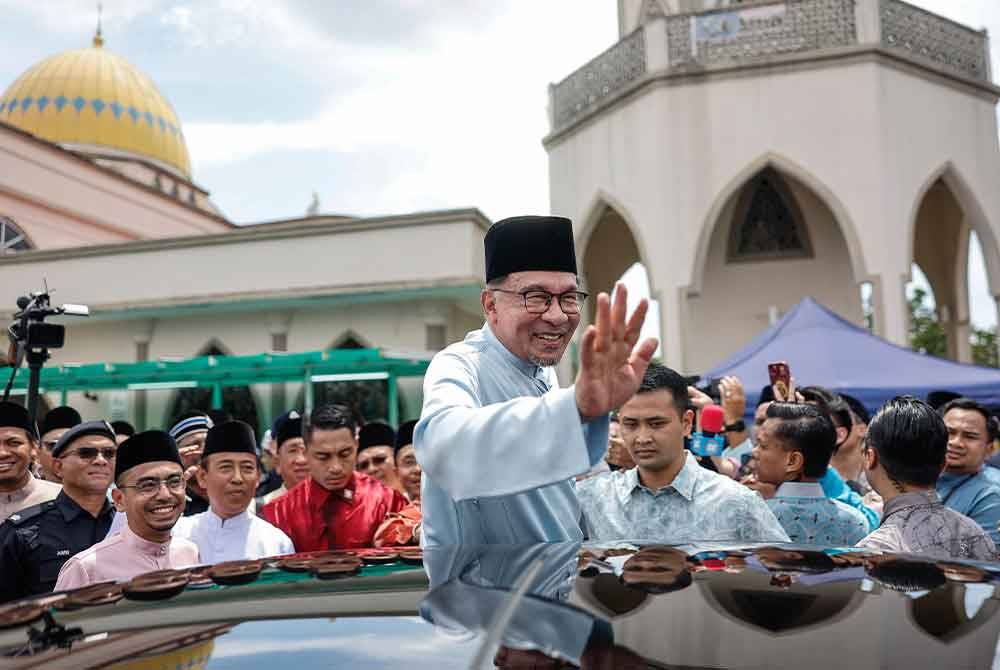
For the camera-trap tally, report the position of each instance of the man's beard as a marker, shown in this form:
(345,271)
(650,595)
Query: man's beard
(544,362)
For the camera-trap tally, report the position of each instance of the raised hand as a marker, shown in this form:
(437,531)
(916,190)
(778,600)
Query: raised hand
(611,365)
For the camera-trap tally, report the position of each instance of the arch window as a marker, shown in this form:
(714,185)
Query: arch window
(237,401)
(768,224)
(12,239)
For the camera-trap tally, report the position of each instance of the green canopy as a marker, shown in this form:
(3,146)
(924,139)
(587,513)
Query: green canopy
(216,372)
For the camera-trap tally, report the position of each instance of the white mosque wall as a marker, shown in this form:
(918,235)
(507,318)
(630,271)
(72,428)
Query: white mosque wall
(866,135)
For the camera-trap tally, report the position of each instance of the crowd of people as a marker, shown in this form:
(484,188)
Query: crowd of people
(502,455)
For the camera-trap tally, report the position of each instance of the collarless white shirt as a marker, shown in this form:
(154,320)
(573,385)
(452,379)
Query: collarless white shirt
(244,536)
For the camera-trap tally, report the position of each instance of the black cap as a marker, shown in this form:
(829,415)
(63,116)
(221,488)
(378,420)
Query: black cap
(523,243)
(376,434)
(61,417)
(13,415)
(286,427)
(81,430)
(404,435)
(146,447)
(231,436)
(123,428)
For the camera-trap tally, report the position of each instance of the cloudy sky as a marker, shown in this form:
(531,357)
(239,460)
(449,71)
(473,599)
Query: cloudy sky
(379,106)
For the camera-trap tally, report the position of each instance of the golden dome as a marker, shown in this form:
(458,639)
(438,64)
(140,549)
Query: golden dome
(94,98)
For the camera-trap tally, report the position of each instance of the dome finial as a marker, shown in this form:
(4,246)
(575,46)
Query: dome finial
(98,38)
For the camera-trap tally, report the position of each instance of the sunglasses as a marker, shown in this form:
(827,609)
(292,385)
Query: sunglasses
(90,453)
(376,461)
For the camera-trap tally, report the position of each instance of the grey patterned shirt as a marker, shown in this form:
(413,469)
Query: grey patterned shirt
(918,523)
(698,506)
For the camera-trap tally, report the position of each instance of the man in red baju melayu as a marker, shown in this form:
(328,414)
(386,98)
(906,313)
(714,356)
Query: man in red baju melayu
(336,507)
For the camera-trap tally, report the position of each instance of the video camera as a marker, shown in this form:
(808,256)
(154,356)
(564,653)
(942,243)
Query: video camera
(31,337)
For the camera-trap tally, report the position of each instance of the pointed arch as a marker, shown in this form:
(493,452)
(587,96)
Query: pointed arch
(592,219)
(239,402)
(972,211)
(350,339)
(787,168)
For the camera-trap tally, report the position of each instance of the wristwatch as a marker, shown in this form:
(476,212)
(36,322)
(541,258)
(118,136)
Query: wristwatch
(737,427)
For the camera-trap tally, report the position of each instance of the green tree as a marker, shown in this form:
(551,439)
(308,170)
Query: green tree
(926,333)
(984,347)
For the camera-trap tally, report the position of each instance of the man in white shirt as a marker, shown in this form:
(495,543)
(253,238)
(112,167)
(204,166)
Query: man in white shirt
(229,472)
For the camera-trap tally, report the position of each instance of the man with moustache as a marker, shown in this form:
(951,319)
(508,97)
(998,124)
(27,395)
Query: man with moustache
(18,447)
(150,486)
(56,422)
(229,471)
(498,440)
(337,507)
(964,486)
(35,542)
(290,455)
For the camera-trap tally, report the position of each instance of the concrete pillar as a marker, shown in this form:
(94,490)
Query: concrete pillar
(892,316)
(279,324)
(142,337)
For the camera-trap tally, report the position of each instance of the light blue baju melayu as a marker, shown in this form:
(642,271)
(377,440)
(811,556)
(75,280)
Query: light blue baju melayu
(499,444)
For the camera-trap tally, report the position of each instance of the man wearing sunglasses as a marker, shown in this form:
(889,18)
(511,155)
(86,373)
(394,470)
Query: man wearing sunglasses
(37,541)
(376,448)
(150,490)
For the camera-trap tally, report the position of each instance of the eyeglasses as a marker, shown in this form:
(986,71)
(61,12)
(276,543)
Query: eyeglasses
(148,487)
(90,453)
(538,302)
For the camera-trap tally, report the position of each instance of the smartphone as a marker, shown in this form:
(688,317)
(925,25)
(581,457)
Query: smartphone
(781,377)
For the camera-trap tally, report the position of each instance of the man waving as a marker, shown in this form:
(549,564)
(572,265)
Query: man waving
(498,441)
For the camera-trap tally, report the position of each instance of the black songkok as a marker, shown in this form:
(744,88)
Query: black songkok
(404,435)
(231,436)
(61,417)
(288,426)
(82,430)
(13,415)
(523,243)
(146,447)
(376,434)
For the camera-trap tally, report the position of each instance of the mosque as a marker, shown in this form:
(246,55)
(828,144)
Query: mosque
(747,152)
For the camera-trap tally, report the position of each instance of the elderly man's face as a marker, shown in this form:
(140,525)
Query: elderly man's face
(539,338)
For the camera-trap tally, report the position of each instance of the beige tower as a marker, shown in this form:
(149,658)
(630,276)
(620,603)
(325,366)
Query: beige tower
(753,153)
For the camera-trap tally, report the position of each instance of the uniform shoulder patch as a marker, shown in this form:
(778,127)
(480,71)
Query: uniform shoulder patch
(28,513)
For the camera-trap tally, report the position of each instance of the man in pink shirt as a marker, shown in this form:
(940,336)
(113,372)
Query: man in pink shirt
(150,490)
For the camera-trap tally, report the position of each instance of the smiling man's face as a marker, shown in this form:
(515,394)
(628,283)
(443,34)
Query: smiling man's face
(151,515)
(539,338)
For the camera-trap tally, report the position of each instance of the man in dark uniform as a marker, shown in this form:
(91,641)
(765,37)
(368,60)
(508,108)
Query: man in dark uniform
(35,542)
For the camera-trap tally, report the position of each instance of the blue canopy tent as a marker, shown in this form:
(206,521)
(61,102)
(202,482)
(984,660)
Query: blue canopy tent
(826,350)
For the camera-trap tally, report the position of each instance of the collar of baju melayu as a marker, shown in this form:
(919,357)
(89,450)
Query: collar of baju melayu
(913,499)
(143,545)
(527,367)
(683,483)
(237,521)
(23,492)
(800,490)
(316,495)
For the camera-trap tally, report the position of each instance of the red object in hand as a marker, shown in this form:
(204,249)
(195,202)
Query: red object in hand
(712,419)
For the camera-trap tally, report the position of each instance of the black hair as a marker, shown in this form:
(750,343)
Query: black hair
(330,417)
(992,425)
(830,404)
(910,439)
(857,408)
(682,581)
(902,575)
(123,428)
(806,429)
(766,395)
(661,378)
